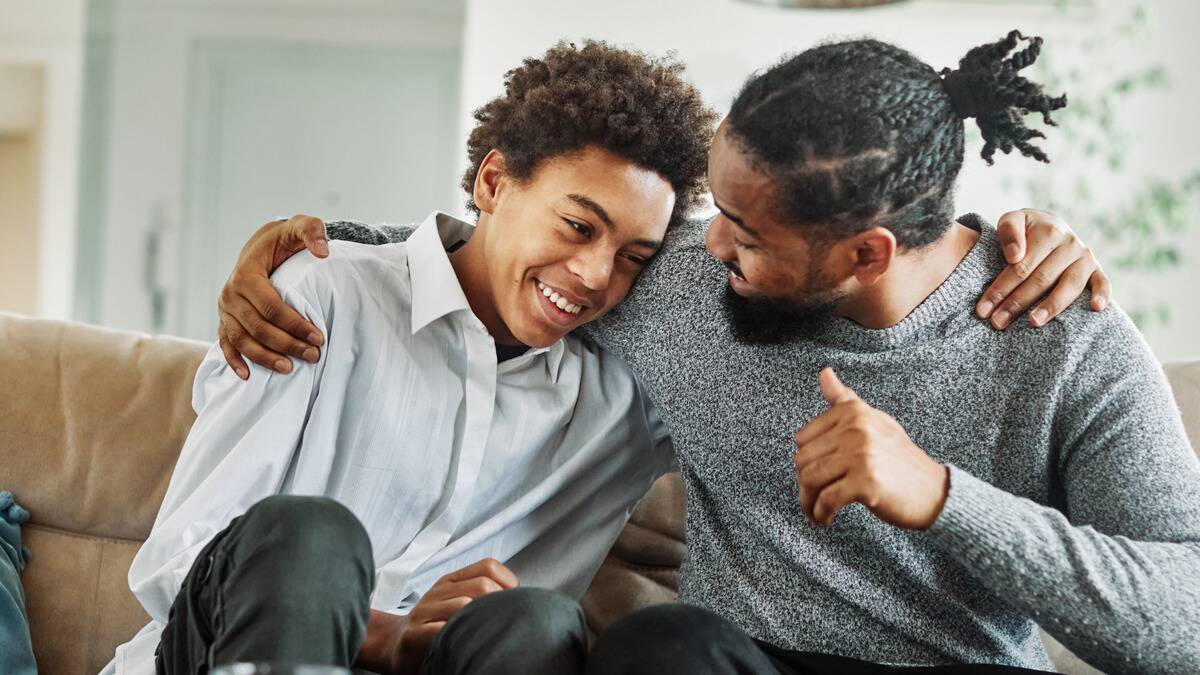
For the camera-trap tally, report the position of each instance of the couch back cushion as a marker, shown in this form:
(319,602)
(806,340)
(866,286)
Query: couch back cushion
(1184,377)
(91,423)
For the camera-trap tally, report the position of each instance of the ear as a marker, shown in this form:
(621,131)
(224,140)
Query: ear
(872,252)
(488,181)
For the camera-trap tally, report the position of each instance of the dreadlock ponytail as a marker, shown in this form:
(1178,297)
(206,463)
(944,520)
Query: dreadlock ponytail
(987,86)
(864,134)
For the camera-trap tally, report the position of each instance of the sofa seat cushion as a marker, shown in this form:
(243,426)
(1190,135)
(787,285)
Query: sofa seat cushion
(78,598)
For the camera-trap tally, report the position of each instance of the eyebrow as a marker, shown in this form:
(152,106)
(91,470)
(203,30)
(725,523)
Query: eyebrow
(736,221)
(591,205)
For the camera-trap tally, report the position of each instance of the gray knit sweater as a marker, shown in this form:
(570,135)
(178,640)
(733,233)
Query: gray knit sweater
(1074,499)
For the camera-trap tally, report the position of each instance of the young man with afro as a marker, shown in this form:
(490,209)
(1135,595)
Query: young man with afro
(453,437)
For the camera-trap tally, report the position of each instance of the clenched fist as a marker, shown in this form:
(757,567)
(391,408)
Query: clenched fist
(855,453)
(440,603)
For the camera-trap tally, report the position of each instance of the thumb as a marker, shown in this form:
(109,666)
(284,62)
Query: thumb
(306,232)
(1011,233)
(832,388)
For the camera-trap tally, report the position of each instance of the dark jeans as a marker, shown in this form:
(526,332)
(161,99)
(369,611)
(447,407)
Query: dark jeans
(678,638)
(525,631)
(291,581)
(543,633)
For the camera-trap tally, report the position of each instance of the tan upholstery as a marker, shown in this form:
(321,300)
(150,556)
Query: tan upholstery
(642,569)
(91,422)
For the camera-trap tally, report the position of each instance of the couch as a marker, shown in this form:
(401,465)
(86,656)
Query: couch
(91,423)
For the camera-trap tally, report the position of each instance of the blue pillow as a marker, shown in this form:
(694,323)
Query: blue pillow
(16,650)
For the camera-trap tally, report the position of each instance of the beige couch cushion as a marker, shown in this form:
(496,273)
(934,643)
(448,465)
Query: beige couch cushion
(642,569)
(78,599)
(1184,377)
(93,420)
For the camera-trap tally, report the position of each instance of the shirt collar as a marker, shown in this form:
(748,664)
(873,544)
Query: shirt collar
(436,291)
(554,356)
(435,288)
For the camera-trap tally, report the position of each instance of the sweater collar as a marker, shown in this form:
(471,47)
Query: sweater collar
(943,311)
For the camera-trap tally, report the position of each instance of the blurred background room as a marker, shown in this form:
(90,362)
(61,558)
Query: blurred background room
(142,141)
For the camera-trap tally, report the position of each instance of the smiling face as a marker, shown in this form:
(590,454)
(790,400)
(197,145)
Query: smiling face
(563,247)
(776,274)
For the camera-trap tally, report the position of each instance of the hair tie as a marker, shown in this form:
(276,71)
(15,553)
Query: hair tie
(962,95)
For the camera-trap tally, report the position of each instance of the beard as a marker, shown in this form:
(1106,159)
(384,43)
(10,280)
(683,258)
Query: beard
(772,321)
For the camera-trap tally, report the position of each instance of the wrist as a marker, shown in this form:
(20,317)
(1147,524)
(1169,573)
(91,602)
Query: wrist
(939,477)
(403,659)
(397,663)
(381,649)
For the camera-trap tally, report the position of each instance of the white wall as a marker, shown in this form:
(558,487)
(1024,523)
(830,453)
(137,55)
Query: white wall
(21,104)
(723,41)
(19,160)
(48,35)
(144,161)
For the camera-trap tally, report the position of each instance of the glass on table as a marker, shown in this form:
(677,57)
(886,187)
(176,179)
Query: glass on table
(277,669)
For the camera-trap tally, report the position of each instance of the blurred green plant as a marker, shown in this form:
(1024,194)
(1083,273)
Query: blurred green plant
(1139,229)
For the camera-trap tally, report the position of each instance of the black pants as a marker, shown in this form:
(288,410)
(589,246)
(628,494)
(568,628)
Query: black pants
(291,580)
(678,638)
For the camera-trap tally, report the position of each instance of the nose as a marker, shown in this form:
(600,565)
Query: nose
(594,268)
(719,241)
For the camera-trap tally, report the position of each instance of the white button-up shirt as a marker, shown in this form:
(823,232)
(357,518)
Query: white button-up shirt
(445,455)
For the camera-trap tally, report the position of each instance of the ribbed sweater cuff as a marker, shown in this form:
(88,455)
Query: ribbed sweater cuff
(977,521)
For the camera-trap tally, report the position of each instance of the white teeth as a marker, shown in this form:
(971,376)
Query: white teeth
(558,300)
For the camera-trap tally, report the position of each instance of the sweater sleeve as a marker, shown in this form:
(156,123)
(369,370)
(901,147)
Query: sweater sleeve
(1114,572)
(364,233)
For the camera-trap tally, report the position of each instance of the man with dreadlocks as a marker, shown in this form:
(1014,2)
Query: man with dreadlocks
(947,485)
(963,485)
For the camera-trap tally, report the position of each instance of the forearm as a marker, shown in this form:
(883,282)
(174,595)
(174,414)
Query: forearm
(381,647)
(1125,605)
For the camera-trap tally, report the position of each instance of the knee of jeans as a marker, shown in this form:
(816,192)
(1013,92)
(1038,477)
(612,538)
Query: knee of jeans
(532,610)
(670,638)
(664,625)
(300,525)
